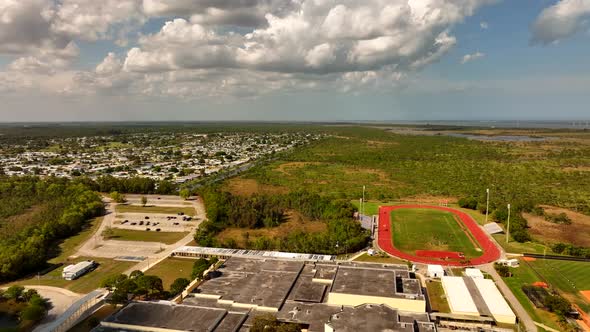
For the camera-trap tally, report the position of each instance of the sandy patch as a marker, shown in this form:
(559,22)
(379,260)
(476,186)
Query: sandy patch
(586,294)
(529,259)
(577,233)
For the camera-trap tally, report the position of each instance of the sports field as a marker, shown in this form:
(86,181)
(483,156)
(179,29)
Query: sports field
(429,229)
(568,277)
(434,235)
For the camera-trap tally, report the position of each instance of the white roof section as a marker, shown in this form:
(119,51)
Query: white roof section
(493,228)
(493,298)
(435,268)
(251,253)
(473,273)
(458,296)
(79,266)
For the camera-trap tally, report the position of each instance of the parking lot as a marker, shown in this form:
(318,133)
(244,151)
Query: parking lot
(155,222)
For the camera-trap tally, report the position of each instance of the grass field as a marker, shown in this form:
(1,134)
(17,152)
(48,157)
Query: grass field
(416,229)
(147,236)
(372,207)
(84,284)
(172,268)
(155,209)
(568,277)
(518,248)
(436,296)
(524,275)
(69,246)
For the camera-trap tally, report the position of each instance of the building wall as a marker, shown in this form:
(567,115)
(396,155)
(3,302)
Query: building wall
(355,300)
(136,327)
(504,319)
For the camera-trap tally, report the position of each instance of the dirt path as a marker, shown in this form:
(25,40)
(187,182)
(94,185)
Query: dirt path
(523,316)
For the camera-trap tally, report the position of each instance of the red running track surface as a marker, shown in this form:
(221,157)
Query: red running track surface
(385,240)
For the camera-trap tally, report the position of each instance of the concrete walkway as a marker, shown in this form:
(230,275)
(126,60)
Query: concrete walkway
(523,316)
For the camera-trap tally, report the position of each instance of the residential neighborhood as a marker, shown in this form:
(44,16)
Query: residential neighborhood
(170,156)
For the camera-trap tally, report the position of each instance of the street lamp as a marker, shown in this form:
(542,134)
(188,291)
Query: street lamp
(508,225)
(487,203)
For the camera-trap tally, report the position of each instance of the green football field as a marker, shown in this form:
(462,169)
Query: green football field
(569,277)
(429,229)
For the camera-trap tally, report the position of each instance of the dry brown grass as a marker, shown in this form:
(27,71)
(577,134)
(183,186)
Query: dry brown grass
(577,233)
(576,169)
(14,224)
(296,222)
(286,167)
(249,187)
(430,199)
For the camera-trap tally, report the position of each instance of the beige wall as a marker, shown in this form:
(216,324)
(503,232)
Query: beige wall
(505,319)
(355,300)
(136,327)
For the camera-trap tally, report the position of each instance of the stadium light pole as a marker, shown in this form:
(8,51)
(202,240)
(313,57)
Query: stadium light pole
(508,225)
(487,203)
(363,200)
(360,208)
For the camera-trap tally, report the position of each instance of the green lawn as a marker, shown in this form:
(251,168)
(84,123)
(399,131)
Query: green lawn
(526,275)
(379,259)
(172,268)
(147,236)
(415,229)
(437,297)
(155,209)
(518,248)
(372,208)
(69,246)
(85,283)
(568,277)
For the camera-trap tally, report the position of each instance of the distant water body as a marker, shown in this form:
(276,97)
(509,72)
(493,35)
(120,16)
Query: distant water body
(580,124)
(501,138)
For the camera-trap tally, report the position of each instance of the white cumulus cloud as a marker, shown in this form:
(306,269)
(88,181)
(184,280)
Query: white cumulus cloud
(561,21)
(471,57)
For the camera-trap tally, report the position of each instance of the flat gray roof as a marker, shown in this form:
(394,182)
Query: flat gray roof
(254,282)
(369,317)
(385,282)
(174,317)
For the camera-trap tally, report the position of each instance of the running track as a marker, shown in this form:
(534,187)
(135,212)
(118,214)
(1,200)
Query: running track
(385,240)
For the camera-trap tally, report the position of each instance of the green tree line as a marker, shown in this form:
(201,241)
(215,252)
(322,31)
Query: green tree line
(35,214)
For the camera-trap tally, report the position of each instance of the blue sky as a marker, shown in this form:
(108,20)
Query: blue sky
(280,60)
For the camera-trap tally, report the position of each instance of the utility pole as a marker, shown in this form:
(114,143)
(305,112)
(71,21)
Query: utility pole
(487,203)
(508,225)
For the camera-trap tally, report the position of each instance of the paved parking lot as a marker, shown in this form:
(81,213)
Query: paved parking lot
(154,221)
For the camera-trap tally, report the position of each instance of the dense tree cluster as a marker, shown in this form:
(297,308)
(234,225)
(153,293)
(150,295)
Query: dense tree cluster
(570,250)
(226,210)
(31,306)
(201,265)
(35,214)
(135,185)
(137,284)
